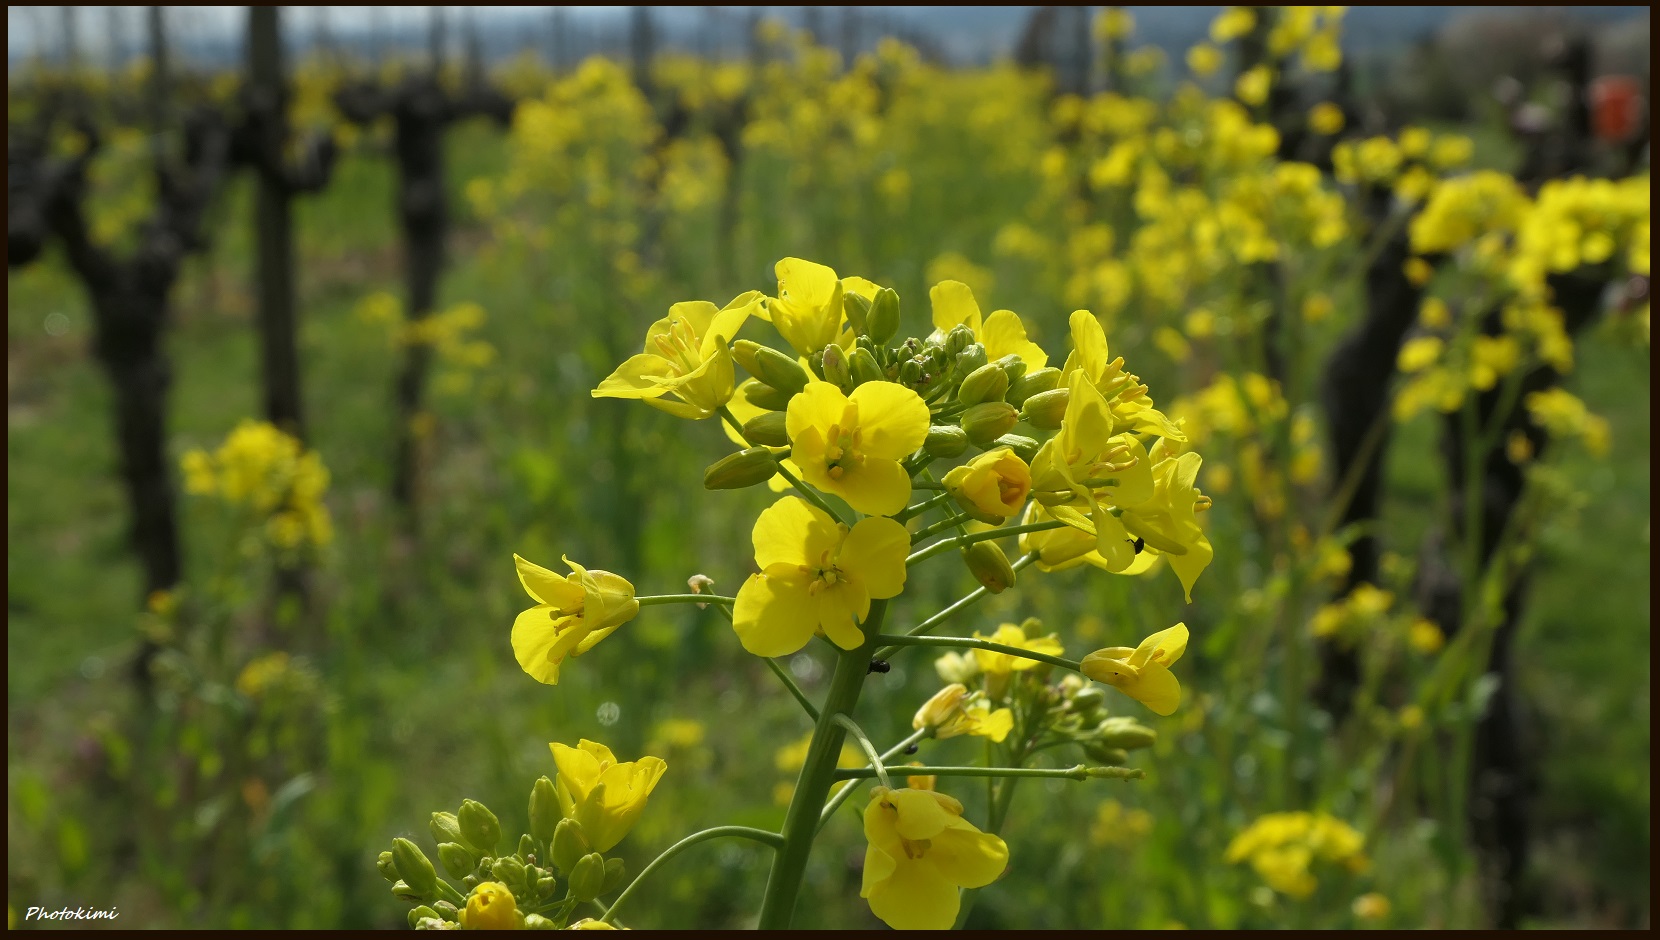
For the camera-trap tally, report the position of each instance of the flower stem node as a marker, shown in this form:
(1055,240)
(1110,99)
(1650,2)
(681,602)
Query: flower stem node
(945,441)
(588,877)
(988,421)
(766,430)
(1045,410)
(989,566)
(457,861)
(568,845)
(742,469)
(414,868)
(987,383)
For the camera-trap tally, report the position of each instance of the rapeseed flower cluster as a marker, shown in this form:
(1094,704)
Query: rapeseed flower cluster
(1283,848)
(272,477)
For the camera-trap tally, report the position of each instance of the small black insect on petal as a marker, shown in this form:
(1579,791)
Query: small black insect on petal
(911,750)
(1140,543)
(879,665)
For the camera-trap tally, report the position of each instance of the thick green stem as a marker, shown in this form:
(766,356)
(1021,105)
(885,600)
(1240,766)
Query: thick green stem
(762,836)
(817,774)
(977,644)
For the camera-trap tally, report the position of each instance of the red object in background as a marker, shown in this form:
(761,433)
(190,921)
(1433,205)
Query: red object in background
(1616,107)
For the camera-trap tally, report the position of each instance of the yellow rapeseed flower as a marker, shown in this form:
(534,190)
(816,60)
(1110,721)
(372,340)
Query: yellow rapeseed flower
(851,445)
(808,310)
(1143,673)
(921,852)
(954,711)
(490,907)
(995,484)
(1002,334)
(572,614)
(603,795)
(816,575)
(686,356)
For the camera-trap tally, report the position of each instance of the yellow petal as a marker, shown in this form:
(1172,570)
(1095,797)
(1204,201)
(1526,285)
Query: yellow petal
(774,615)
(893,419)
(1089,345)
(793,531)
(545,586)
(920,815)
(1006,335)
(878,488)
(995,726)
(879,867)
(698,314)
(579,769)
(860,286)
(723,327)
(916,896)
(954,304)
(805,282)
(819,405)
(1109,666)
(968,857)
(1188,567)
(841,608)
(640,376)
(1156,687)
(874,555)
(534,634)
(1164,647)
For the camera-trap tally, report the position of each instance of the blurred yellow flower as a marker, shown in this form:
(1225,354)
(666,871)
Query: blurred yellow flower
(490,907)
(921,852)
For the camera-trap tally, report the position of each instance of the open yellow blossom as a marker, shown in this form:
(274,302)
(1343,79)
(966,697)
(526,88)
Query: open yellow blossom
(686,356)
(808,310)
(995,663)
(490,907)
(1126,397)
(994,484)
(1002,334)
(1143,673)
(851,446)
(921,852)
(571,615)
(1061,549)
(603,795)
(816,575)
(954,711)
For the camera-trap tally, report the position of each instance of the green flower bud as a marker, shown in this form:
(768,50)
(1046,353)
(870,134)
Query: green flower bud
(544,810)
(771,366)
(538,922)
(615,872)
(1031,627)
(744,468)
(1032,383)
(945,440)
(857,310)
(545,885)
(457,861)
(1024,447)
(987,383)
(403,892)
(1126,734)
(836,370)
(384,865)
(958,339)
(1013,366)
(511,872)
(910,373)
(418,914)
(446,911)
(471,881)
(445,828)
(1109,756)
(1087,701)
(480,831)
(414,868)
(766,429)
(988,421)
(883,319)
(989,566)
(588,877)
(569,845)
(972,357)
(862,363)
(527,848)
(764,396)
(1045,410)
